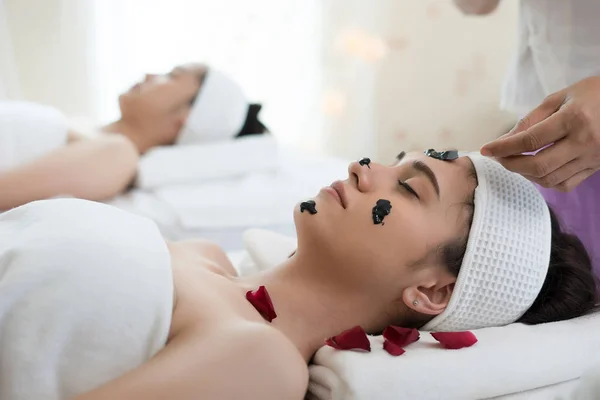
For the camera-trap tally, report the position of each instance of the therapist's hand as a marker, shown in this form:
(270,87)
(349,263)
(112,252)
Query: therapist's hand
(571,120)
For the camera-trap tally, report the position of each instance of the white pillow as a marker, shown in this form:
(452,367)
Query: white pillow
(172,165)
(265,249)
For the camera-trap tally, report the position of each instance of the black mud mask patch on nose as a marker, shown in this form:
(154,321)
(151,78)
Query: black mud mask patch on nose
(381,210)
(365,161)
(448,155)
(308,206)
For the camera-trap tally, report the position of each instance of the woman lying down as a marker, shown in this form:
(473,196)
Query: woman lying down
(95,305)
(43,154)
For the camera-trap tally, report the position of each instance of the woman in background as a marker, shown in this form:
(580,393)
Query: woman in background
(42,155)
(95,304)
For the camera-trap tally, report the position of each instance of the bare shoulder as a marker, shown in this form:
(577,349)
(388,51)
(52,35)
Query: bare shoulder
(276,368)
(208,253)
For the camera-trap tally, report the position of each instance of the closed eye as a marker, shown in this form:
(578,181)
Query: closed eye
(409,188)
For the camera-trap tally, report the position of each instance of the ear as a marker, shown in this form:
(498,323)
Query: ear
(431,296)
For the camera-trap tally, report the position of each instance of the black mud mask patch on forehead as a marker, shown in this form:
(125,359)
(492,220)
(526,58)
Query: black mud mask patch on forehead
(365,161)
(448,155)
(308,206)
(381,210)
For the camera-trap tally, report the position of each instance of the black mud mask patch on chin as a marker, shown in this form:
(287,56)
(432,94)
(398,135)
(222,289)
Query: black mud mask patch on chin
(448,155)
(381,210)
(308,206)
(365,161)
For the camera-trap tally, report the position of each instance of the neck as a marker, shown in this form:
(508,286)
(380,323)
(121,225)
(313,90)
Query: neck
(130,131)
(310,304)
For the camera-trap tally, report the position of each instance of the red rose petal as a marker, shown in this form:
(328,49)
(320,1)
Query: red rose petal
(399,336)
(261,300)
(455,340)
(352,339)
(392,348)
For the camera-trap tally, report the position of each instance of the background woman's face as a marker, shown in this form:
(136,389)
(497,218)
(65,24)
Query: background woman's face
(428,199)
(163,96)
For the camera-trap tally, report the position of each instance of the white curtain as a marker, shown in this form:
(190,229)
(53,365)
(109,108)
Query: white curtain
(9,79)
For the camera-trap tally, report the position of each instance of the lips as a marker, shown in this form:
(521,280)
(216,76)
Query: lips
(338,186)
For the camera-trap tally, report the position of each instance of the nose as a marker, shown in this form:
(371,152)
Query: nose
(363,174)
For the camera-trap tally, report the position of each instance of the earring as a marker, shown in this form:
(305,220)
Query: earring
(415,303)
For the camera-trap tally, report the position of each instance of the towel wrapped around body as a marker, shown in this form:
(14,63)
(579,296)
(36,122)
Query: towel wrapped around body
(86,294)
(28,131)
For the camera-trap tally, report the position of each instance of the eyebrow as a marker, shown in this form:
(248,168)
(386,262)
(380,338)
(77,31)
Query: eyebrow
(423,168)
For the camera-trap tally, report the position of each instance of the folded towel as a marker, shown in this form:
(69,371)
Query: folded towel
(192,164)
(86,294)
(28,131)
(506,360)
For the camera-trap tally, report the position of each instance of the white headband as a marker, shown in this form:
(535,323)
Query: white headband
(507,256)
(218,113)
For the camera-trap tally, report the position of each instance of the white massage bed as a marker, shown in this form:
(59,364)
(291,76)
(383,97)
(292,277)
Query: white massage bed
(222,208)
(148,204)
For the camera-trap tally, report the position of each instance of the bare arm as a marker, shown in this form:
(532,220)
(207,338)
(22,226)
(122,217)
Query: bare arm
(477,7)
(249,361)
(94,169)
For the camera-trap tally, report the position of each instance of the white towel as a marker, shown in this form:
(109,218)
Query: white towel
(193,164)
(86,295)
(506,360)
(28,131)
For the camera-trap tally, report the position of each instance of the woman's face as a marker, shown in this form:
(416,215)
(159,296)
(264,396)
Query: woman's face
(429,208)
(166,96)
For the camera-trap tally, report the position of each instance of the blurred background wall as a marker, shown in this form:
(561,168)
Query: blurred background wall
(346,77)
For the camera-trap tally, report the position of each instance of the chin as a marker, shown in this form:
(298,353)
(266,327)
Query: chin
(315,231)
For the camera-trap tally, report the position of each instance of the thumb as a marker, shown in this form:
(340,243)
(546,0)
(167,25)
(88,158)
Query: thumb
(548,107)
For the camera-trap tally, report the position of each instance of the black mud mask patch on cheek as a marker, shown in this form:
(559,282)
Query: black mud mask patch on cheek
(308,206)
(381,210)
(365,161)
(448,155)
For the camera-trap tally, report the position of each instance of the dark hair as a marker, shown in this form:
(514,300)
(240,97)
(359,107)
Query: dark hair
(252,125)
(569,290)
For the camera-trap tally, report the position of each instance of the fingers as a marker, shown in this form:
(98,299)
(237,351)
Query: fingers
(560,175)
(546,163)
(550,105)
(539,135)
(575,180)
